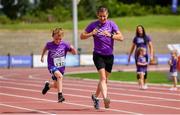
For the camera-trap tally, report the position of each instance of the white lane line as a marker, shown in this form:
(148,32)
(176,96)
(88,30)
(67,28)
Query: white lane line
(126,84)
(36,76)
(23,108)
(111,83)
(119,101)
(119,94)
(114,84)
(76,104)
(109,87)
(10,74)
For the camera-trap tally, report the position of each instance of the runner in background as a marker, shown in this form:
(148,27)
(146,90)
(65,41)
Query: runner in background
(57,50)
(173,62)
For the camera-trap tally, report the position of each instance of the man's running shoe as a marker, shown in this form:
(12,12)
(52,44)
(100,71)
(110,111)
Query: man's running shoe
(46,88)
(61,99)
(95,101)
(145,86)
(106,102)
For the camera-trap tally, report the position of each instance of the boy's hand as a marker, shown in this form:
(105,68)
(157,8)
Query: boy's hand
(42,60)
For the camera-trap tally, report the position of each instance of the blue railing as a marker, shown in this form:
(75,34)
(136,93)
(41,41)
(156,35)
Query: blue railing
(71,60)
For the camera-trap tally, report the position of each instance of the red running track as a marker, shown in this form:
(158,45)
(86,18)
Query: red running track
(20,93)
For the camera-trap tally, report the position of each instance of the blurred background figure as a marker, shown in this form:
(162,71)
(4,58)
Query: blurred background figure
(173,69)
(141,40)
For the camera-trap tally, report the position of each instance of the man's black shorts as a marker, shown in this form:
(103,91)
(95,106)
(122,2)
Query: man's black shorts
(103,61)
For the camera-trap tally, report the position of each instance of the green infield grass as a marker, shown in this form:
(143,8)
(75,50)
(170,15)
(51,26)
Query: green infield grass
(153,77)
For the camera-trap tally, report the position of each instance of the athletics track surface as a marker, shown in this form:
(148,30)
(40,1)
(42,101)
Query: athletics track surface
(20,93)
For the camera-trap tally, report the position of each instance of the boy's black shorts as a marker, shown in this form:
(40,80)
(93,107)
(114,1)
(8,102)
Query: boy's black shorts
(102,61)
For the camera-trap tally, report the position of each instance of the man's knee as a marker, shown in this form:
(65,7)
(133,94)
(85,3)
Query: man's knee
(103,79)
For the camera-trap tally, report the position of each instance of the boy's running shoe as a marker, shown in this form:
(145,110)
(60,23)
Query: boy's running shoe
(106,102)
(95,101)
(46,88)
(61,99)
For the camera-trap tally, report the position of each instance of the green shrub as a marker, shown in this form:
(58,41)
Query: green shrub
(161,10)
(29,18)
(4,19)
(87,10)
(60,14)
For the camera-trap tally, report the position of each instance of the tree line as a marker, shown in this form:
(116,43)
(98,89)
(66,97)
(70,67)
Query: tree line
(32,11)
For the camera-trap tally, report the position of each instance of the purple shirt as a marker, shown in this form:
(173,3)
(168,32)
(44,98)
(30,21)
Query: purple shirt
(173,67)
(57,54)
(102,44)
(139,41)
(141,68)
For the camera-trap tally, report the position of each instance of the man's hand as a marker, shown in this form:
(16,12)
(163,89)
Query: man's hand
(94,32)
(106,33)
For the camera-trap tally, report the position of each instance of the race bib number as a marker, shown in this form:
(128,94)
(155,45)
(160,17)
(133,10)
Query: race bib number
(59,62)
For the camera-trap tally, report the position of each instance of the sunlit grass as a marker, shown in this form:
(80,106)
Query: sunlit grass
(153,77)
(152,22)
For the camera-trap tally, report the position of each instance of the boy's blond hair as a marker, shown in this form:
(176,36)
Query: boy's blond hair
(58,31)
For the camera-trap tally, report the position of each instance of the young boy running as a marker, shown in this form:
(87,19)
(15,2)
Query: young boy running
(57,50)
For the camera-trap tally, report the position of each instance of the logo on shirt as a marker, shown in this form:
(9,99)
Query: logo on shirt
(143,59)
(101,30)
(58,52)
(140,40)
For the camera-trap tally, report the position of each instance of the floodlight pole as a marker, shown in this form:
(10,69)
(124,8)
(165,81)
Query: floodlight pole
(75,23)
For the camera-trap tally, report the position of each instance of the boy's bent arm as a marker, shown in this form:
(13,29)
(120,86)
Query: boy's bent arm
(42,55)
(73,50)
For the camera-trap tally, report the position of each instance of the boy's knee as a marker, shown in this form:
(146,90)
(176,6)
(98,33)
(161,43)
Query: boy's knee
(55,85)
(59,77)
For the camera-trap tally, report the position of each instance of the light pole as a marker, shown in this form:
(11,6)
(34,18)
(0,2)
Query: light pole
(75,23)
